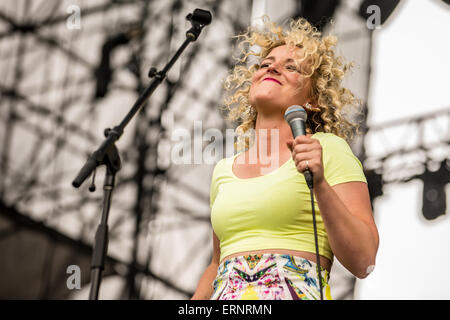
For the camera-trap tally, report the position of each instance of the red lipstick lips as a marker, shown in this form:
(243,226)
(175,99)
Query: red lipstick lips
(272,79)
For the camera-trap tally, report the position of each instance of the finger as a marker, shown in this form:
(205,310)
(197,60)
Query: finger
(300,157)
(303,139)
(300,148)
(303,166)
(289,144)
(307,147)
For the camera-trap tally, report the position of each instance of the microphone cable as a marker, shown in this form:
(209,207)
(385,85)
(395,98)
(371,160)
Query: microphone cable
(309,182)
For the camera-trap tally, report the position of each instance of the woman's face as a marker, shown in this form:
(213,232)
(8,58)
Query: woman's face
(275,86)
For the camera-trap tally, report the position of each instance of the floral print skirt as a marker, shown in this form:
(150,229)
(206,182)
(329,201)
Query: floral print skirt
(269,277)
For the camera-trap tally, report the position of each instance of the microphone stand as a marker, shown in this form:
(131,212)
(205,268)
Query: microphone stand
(108,154)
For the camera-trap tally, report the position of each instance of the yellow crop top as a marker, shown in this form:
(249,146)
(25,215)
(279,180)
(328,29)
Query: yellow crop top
(273,211)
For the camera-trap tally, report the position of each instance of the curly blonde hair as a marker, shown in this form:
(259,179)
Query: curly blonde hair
(324,68)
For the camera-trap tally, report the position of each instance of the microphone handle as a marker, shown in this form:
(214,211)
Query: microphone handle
(298,129)
(309,178)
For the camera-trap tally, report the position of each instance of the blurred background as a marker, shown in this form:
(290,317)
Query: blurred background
(70,69)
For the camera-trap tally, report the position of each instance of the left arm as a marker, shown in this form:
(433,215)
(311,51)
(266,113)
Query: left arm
(345,209)
(347,215)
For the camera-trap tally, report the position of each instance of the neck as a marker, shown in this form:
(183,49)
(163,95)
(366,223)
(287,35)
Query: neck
(271,134)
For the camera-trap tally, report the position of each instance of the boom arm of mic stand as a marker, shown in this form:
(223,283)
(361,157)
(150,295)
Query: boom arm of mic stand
(97,157)
(108,154)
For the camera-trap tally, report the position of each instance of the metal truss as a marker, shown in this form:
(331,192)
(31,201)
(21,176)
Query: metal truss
(415,148)
(407,147)
(61,87)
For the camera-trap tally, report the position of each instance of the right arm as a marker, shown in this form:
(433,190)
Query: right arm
(204,288)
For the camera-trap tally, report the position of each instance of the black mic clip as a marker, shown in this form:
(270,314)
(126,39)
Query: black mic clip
(92,185)
(199,18)
(106,154)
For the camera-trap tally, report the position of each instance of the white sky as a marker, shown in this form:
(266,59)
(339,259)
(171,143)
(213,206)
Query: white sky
(411,62)
(410,77)
(411,65)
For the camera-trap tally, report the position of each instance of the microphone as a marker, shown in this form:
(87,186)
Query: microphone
(296,117)
(201,16)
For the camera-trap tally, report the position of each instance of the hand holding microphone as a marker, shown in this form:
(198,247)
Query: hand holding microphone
(306,151)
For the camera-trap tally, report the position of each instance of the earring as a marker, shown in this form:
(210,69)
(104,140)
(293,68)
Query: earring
(310,107)
(249,111)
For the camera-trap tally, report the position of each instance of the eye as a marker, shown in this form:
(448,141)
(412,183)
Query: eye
(291,68)
(264,65)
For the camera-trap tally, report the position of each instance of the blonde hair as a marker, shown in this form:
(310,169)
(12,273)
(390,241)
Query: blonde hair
(324,68)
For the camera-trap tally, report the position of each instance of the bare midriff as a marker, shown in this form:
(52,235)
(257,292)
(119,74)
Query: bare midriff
(324,262)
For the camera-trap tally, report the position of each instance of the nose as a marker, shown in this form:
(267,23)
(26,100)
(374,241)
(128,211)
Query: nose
(273,68)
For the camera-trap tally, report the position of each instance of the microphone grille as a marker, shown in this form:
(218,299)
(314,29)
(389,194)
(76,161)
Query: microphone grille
(294,112)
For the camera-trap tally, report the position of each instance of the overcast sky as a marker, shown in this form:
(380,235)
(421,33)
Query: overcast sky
(410,77)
